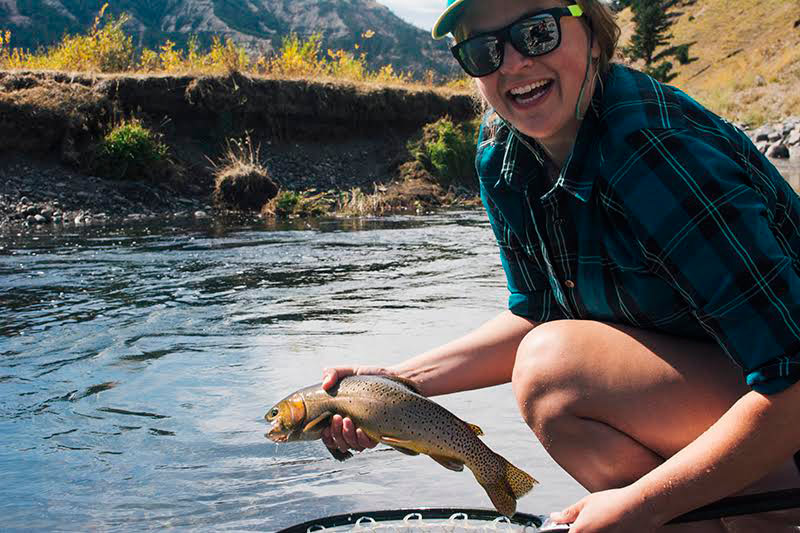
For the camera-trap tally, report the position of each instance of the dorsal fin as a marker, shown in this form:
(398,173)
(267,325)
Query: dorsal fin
(475,429)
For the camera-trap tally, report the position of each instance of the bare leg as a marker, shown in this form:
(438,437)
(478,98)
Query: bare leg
(610,403)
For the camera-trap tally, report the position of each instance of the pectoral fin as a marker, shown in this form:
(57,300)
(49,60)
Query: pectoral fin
(314,424)
(339,455)
(403,446)
(449,463)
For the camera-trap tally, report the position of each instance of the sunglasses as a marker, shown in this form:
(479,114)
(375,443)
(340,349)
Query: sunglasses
(533,35)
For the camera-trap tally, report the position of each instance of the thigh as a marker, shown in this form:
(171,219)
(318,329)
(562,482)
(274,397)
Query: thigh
(661,390)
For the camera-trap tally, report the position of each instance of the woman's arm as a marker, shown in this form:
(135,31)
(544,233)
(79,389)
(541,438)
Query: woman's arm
(754,436)
(481,358)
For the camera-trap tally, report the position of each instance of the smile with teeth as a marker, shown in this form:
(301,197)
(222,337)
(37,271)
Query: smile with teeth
(530,92)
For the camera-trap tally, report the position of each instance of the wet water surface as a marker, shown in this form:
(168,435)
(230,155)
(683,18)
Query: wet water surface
(136,366)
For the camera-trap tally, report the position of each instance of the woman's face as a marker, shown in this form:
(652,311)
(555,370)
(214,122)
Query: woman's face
(536,94)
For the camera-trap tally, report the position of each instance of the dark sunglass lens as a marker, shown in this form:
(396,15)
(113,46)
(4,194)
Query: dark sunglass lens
(536,35)
(480,56)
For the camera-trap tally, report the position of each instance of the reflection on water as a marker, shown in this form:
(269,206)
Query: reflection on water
(136,365)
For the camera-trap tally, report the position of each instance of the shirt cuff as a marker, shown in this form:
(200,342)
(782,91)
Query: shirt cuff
(540,306)
(775,376)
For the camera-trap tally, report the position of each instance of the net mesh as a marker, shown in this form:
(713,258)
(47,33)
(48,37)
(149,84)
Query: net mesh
(415,522)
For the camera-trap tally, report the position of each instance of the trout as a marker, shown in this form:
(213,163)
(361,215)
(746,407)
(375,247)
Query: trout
(393,412)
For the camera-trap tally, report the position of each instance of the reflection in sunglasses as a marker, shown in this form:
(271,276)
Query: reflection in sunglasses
(494,52)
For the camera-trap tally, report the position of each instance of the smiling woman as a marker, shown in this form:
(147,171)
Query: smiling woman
(652,337)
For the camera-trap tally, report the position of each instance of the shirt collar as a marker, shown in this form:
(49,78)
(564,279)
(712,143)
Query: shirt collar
(579,173)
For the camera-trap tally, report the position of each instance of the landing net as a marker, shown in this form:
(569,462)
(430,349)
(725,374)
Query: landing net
(422,521)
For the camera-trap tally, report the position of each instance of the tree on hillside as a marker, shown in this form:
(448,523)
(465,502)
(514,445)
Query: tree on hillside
(650,17)
(651,21)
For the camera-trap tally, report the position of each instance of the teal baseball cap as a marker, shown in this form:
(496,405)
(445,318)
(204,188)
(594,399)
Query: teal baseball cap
(447,21)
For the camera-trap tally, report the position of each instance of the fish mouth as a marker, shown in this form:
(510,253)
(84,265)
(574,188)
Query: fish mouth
(276,434)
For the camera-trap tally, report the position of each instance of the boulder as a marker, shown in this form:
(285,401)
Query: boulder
(779,151)
(761,134)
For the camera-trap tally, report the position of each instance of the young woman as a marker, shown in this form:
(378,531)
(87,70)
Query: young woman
(652,255)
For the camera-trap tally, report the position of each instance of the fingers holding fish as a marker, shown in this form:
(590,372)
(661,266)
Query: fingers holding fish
(343,435)
(332,375)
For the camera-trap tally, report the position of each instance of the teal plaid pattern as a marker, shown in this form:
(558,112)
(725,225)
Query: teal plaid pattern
(664,217)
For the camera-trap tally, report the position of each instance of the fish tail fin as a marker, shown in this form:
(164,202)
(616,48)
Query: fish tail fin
(506,485)
(520,481)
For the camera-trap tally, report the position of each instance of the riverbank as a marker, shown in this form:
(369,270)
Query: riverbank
(310,136)
(326,136)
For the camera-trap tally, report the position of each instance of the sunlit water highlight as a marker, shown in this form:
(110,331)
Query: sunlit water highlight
(136,366)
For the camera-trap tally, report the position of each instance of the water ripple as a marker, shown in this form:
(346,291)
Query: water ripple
(136,364)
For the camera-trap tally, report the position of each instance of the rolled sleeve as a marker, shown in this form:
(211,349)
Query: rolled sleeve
(708,227)
(530,295)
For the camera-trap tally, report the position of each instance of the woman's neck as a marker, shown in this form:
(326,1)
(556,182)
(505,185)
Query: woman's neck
(559,146)
(559,149)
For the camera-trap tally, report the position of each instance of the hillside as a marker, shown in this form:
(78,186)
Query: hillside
(258,25)
(744,56)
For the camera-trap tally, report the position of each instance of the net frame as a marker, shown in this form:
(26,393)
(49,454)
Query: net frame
(414,520)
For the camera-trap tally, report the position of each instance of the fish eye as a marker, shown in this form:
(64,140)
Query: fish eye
(273,412)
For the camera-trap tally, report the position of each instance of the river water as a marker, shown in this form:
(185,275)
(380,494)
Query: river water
(136,365)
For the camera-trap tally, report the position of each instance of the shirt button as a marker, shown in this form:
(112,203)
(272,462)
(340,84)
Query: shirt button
(569,284)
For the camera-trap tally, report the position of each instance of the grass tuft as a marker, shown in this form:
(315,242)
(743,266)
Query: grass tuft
(240,180)
(293,204)
(356,202)
(130,151)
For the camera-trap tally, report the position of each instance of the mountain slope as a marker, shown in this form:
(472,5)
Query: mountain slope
(259,25)
(744,55)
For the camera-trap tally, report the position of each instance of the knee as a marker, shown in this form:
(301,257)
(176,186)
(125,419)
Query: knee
(546,376)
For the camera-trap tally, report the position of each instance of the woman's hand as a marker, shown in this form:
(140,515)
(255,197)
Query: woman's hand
(609,511)
(342,433)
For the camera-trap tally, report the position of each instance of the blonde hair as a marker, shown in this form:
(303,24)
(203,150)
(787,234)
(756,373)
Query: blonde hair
(605,29)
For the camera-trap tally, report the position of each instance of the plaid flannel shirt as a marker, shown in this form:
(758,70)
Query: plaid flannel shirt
(663,217)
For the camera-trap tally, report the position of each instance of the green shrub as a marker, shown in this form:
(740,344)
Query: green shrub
(106,48)
(297,57)
(448,151)
(131,152)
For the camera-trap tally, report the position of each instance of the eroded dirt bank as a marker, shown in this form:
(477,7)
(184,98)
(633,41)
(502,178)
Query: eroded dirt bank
(324,135)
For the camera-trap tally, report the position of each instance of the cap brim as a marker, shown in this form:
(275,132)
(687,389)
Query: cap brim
(447,20)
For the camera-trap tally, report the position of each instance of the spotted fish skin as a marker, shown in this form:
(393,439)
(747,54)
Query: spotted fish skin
(391,411)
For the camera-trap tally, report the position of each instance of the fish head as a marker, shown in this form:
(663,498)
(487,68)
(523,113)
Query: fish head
(287,418)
